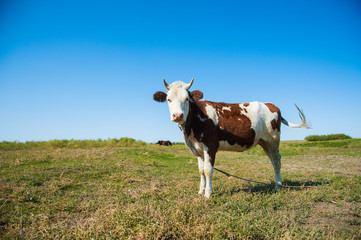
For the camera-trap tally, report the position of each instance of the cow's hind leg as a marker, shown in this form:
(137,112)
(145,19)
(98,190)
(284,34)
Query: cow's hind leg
(272,150)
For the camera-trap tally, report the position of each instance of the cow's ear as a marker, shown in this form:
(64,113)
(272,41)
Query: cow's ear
(196,95)
(160,96)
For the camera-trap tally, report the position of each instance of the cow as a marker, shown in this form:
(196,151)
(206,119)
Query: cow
(208,127)
(164,143)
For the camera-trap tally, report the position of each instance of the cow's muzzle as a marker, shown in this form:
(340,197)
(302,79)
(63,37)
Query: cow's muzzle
(177,117)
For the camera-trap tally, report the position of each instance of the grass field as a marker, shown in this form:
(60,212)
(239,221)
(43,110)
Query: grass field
(145,191)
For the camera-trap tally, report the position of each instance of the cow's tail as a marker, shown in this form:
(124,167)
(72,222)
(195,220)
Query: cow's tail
(304,123)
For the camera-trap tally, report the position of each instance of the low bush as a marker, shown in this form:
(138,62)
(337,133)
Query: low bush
(327,137)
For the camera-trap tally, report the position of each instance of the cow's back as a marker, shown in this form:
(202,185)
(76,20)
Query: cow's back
(241,125)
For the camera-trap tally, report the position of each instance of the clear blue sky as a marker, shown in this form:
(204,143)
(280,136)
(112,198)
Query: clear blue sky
(88,69)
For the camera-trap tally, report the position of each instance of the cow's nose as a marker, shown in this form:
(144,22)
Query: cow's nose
(177,117)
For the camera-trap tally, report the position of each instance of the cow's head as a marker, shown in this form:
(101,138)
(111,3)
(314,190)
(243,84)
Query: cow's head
(179,98)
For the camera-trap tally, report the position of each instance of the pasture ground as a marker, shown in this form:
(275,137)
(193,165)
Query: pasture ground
(150,192)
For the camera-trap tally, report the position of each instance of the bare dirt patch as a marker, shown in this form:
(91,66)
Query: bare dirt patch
(336,164)
(334,216)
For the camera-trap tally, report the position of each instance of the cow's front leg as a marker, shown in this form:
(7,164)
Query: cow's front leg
(208,172)
(202,185)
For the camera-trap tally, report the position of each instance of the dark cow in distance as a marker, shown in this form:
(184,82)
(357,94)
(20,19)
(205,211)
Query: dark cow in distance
(164,143)
(211,126)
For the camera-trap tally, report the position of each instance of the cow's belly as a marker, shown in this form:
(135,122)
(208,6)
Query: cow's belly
(225,146)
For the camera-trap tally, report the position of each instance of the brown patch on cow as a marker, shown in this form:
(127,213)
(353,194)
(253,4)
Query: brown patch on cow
(196,95)
(275,123)
(245,105)
(203,131)
(272,107)
(160,96)
(244,109)
(233,126)
(209,131)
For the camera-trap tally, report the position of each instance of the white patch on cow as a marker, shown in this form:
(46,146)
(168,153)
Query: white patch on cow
(202,185)
(178,84)
(178,101)
(226,109)
(208,172)
(252,113)
(212,114)
(196,147)
(269,116)
(261,118)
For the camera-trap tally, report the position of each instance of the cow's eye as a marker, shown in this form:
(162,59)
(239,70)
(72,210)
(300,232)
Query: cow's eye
(169,100)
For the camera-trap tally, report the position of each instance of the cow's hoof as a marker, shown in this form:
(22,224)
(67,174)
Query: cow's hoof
(208,194)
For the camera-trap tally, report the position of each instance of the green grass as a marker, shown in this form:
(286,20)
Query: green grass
(148,191)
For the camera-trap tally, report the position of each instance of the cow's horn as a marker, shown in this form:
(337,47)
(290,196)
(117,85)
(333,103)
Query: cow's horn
(190,84)
(165,84)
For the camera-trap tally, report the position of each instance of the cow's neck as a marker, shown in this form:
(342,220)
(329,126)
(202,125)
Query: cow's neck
(187,130)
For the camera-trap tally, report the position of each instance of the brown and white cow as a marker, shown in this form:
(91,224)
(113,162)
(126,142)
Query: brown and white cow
(164,143)
(211,126)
